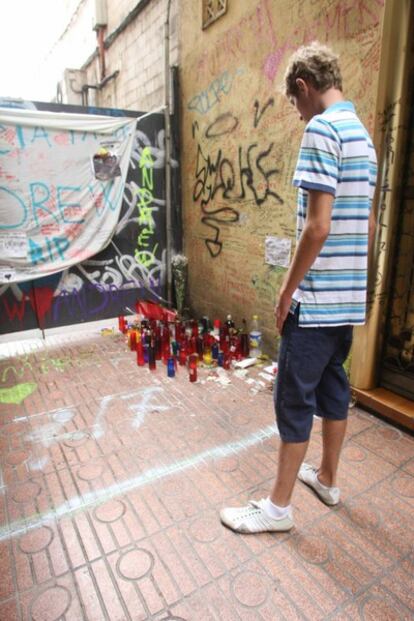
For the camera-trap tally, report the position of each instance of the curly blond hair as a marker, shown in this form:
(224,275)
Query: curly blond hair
(315,63)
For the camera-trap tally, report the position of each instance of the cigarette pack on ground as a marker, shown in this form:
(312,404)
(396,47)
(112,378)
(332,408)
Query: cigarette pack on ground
(247,362)
(267,376)
(271,368)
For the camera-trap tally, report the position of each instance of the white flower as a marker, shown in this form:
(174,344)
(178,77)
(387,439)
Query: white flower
(179,260)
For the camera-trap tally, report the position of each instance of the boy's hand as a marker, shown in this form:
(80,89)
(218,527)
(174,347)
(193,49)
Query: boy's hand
(281,309)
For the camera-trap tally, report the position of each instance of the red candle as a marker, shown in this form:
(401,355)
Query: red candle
(133,340)
(140,354)
(182,359)
(192,367)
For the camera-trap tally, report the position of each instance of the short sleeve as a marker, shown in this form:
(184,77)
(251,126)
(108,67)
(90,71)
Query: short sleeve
(373,171)
(319,158)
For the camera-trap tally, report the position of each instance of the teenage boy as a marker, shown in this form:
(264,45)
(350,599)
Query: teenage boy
(324,292)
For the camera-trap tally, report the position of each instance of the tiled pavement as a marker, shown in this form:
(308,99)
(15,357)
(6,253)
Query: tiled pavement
(111,477)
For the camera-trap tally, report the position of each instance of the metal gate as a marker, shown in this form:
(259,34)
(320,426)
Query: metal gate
(397,366)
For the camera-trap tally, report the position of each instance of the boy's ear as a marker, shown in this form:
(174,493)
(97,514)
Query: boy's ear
(301,84)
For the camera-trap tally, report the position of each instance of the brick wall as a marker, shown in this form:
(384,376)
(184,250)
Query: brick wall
(137,53)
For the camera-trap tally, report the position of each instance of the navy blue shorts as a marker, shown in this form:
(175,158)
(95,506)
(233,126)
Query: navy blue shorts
(310,378)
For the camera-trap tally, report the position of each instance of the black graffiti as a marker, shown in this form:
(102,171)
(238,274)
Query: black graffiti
(224,124)
(219,174)
(222,176)
(195,128)
(224,215)
(245,175)
(259,113)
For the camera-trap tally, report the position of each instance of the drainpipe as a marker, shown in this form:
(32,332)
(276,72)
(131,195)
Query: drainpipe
(167,121)
(100,35)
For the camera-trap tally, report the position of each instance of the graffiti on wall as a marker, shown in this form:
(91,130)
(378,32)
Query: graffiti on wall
(61,189)
(131,266)
(145,254)
(230,174)
(206,99)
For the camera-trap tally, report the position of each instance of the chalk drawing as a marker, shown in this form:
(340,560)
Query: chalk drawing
(52,432)
(140,409)
(18,372)
(97,497)
(57,364)
(144,407)
(49,434)
(18,393)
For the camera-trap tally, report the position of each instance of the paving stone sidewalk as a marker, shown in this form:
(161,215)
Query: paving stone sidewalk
(111,478)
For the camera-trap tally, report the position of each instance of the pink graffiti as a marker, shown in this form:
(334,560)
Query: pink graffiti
(272,63)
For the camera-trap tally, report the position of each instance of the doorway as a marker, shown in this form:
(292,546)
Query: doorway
(397,363)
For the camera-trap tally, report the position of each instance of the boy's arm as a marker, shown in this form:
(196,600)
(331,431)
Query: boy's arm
(372,225)
(314,234)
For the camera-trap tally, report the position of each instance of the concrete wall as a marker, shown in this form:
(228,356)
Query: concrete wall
(137,53)
(240,137)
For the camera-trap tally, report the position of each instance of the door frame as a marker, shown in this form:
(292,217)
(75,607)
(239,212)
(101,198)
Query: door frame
(390,138)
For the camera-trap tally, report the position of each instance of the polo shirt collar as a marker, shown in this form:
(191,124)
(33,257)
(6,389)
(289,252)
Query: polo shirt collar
(347,106)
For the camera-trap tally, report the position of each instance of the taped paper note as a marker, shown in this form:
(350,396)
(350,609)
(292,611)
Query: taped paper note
(277,251)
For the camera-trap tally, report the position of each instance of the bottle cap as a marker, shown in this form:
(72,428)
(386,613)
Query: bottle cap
(217,323)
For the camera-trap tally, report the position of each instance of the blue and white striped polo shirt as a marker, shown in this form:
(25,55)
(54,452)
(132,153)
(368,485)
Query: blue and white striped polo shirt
(337,156)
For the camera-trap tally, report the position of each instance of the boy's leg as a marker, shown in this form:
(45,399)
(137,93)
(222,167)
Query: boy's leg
(333,401)
(333,433)
(303,356)
(291,456)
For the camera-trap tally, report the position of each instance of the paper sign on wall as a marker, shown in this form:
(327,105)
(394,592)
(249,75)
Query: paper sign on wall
(277,251)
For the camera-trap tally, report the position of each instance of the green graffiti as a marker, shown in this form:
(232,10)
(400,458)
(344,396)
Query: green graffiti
(50,364)
(146,164)
(18,373)
(145,210)
(146,257)
(17,394)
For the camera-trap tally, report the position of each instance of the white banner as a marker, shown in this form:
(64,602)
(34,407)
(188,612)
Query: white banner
(62,179)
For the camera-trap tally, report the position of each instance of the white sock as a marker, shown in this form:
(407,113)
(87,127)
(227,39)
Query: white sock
(324,486)
(275,512)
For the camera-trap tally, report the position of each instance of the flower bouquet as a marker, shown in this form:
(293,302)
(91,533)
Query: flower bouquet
(179,265)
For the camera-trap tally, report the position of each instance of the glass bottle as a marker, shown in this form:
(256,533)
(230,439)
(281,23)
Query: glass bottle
(230,325)
(171,367)
(244,340)
(151,356)
(255,338)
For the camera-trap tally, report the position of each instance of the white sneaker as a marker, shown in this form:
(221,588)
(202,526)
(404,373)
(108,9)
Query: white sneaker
(254,519)
(309,475)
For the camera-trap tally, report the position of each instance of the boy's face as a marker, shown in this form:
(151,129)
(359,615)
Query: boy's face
(302,106)
(306,101)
